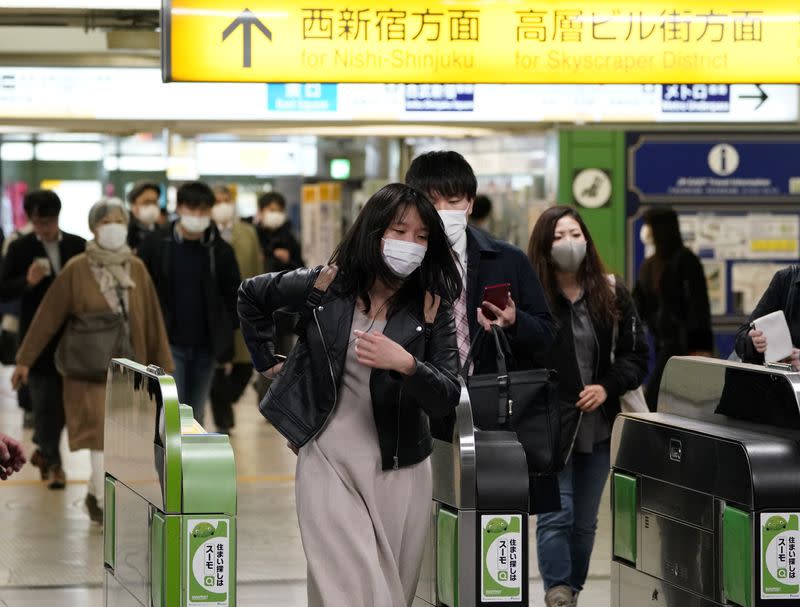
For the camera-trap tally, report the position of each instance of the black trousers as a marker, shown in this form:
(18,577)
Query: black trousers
(226,390)
(47,398)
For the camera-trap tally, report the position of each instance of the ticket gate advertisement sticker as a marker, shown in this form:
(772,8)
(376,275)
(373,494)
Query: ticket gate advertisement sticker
(501,549)
(780,539)
(208,544)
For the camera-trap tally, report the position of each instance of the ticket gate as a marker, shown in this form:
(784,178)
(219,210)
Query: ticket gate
(477,549)
(170,498)
(706,506)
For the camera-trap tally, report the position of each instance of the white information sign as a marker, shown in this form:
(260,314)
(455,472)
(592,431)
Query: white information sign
(139,94)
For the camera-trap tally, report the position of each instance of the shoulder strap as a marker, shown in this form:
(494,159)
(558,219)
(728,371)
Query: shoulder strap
(321,285)
(431,307)
(791,292)
(326,278)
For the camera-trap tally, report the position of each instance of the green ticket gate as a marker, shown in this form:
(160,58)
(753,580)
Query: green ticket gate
(477,549)
(706,506)
(170,498)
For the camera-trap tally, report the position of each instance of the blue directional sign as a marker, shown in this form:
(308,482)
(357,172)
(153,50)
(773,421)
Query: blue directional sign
(714,168)
(307,97)
(440,97)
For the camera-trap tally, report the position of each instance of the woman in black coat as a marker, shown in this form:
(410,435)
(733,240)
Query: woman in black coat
(672,298)
(376,357)
(599,353)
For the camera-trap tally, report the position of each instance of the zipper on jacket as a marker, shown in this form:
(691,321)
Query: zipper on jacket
(397,445)
(333,376)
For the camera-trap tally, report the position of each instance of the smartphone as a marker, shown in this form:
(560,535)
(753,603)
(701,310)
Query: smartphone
(44,263)
(497,295)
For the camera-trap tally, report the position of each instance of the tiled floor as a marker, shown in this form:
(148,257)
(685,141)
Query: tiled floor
(51,554)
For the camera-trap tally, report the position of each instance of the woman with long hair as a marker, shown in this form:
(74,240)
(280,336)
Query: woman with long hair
(354,397)
(599,353)
(671,297)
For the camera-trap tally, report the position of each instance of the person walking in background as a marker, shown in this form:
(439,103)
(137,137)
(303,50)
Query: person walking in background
(231,379)
(196,276)
(281,248)
(145,212)
(9,332)
(31,265)
(600,352)
(481,215)
(371,377)
(106,278)
(672,297)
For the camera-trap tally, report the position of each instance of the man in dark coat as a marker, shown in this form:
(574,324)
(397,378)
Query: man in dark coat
(197,279)
(279,245)
(145,212)
(450,183)
(29,268)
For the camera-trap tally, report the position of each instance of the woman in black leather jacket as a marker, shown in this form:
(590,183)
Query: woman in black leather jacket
(355,395)
(600,353)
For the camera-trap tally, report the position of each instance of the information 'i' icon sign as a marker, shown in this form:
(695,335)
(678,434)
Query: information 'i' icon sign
(723,159)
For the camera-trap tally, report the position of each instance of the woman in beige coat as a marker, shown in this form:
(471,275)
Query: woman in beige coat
(90,283)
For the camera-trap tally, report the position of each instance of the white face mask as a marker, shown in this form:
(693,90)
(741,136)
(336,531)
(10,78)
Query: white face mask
(194,224)
(273,219)
(403,257)
(223,212)
(149,214)
(568,255)
(455,225)
(112,236)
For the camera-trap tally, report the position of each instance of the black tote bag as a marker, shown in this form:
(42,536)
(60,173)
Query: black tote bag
(525,402)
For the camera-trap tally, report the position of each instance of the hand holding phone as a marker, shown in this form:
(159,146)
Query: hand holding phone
(496,295)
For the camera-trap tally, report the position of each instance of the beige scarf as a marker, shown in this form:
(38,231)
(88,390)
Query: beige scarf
(111,270)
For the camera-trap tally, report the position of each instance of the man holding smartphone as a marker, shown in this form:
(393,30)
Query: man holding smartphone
(29,268)
(485,262)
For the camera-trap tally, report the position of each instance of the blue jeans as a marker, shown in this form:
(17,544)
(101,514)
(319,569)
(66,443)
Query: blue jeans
(564,539)
(194,370)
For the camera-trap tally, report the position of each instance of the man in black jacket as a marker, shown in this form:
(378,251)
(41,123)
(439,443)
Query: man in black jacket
(280,247)
(448,180)
(31,264)
(196,275)
(145,212)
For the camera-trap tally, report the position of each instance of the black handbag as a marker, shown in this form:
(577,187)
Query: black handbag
(525,402)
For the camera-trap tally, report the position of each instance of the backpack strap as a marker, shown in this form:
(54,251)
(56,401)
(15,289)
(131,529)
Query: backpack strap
(321,285)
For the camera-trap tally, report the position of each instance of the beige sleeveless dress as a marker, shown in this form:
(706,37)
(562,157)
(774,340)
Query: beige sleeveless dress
(363,529)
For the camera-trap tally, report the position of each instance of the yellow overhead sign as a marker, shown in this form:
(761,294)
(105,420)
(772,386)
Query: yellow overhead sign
(479,41)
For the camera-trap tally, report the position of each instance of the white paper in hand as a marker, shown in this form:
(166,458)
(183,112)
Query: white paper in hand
(779,340)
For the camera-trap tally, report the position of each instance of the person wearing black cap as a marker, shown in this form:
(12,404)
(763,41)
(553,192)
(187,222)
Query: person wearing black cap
(145,212)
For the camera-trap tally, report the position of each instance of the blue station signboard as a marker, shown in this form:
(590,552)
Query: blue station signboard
(740,168)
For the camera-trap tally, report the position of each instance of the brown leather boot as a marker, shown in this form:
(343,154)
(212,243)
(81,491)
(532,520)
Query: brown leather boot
(58,480)
(95,512)
(38,460)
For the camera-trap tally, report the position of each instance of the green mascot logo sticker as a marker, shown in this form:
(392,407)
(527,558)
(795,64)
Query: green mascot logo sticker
(502,550)
(496,525)
(780,536)
(209,564)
